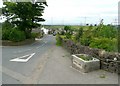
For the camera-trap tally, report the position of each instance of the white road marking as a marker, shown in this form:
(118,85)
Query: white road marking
(21,59)
(37,39)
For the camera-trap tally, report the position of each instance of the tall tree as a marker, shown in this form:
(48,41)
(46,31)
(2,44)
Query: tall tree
(24,15)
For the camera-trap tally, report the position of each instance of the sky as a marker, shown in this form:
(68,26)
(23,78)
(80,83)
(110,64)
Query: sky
(0,3)
(80,12)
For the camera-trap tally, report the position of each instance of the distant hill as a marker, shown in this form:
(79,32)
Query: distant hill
(60,26)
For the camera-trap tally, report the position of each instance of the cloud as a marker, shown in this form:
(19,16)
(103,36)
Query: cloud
(72,9)
(1,3)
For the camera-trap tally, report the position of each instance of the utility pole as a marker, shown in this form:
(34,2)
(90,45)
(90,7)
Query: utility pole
(85,20)
(51,20)
(62,23)
(115,21)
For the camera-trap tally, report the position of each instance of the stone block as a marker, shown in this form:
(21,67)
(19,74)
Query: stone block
(85,66)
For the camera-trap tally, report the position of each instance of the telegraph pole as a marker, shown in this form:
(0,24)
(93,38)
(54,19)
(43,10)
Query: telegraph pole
(85,20)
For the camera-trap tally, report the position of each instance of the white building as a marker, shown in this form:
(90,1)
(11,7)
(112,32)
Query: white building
(45,30)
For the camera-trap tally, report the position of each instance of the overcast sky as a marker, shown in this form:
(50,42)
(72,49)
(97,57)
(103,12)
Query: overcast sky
(80,11)
(0,3)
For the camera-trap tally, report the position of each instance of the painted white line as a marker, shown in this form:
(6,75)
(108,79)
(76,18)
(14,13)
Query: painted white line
(37,39)
(21,59)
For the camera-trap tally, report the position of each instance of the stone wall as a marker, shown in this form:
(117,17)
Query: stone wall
(109,61)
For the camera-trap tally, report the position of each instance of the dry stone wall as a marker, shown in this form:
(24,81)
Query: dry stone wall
(108,61)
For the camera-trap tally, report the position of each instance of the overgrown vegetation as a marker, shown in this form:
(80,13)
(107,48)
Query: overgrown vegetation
(16,35)
(78,35)
(85,57)
(58,40)
(101,36)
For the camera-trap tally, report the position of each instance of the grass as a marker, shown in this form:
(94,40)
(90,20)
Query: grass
(86,58)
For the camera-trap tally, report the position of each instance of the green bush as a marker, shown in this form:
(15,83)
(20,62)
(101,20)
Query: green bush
(16,35)
(68,31)
(73,38)
(7,25)
(5,34)
(78,35)
(33,35)
(63,36)
(36,35)
(58,40)
(108,32)
(104,43)
(85,41)
(68,35)
(67,28)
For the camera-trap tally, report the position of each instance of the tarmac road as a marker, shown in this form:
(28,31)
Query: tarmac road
(17,72)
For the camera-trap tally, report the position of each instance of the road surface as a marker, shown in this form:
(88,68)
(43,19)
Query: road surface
(14,72)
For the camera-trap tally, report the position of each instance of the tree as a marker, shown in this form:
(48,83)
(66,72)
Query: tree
(87,24)
(68,31)
(95,24)
(24,15)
